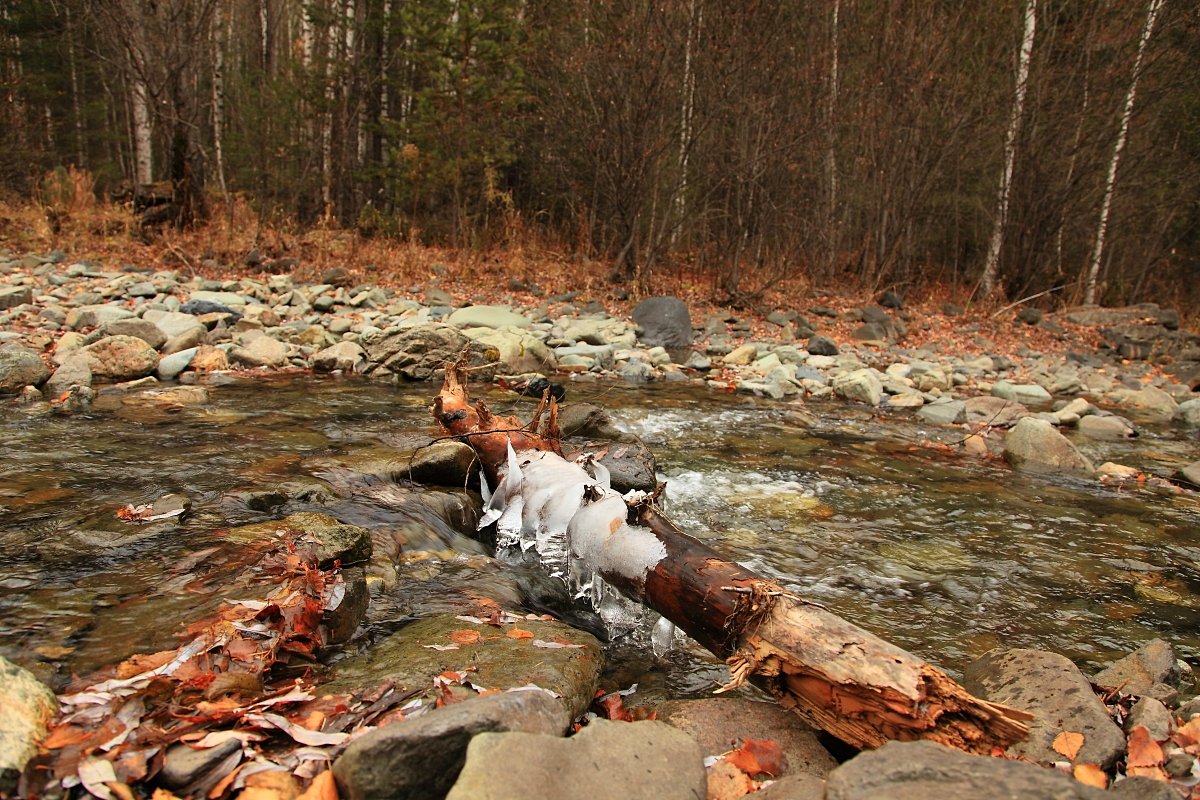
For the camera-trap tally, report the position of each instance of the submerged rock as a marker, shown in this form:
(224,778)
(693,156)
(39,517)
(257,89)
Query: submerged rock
(1036,444)
(605,761)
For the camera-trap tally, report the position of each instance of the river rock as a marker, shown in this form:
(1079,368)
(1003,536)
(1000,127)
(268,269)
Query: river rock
(120,358)
(861,385)
(994,412)
(604,761)
(1053,689)
(1026,394)
(588,421)
(595,331)
(143,329)
(1036,444)
(740,356)
(520,351)
(175,323)
(26,708)
(943,412)
(500,661)
(422,757)
(591,356)
(664,322)
(13,296)
(924,770)
(344,356)
(488,317)
(630,466)
(421,352)
(209,359)
(1138,673)
(1106,427)
(444,463)
(1189,413)
(230,300)
(1191,474)
(821,346)
(1150,402)
(184,766)
(169,366)
(720,725)
(263,351)
(1152,715)
(74,371)
(93,316)
(20,367)
(336,541)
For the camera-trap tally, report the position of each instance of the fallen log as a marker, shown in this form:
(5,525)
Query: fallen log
(838,676)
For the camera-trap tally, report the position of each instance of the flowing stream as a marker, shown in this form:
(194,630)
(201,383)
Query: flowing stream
(944,555)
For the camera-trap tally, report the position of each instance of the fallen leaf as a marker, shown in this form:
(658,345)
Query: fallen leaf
(1188,733)
(519,633)
(271,784)
(1091,775)
(440,647)
(465,637)
(65,736)
(322,787)
(1144,756)
(1067,744)
(53,651)
(612,706)
(758,756)
(94,773)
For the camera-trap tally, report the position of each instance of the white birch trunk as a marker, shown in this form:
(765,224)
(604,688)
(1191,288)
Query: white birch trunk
(831,144)
(695,18)
(143,154)
(220,36)
(1093,273)
(991,265)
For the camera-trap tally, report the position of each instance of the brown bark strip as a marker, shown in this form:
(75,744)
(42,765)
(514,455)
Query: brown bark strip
(831,672)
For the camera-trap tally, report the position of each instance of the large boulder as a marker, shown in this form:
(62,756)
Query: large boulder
(519,350)
(121,358)
(26,708)
(664,322)
(1060,698)
(605,761)
(488,317)
(420,353)
(1148,402)
(1036,444)
(175,323)
(344,356)
(20,367)
(422,757)
(557,657)
(861,385)
(924,770)
(142,329)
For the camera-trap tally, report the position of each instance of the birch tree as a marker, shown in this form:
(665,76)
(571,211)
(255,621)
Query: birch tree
(991,267)
(1093,272)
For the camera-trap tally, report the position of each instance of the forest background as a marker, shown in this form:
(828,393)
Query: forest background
(1006,148)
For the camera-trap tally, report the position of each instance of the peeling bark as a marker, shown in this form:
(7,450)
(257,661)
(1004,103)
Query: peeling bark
(834,674)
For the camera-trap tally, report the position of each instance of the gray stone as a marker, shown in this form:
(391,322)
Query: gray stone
(905,400)
(1149,402)
(793,787)
(763,388)
(995,412)
(870,332)
(169,366)
(924,770)
(20,367)
(664,322)
(503,662)
(861,385)
(1189,413)
(348,544)
(821,346)
(1025,394)
(420,353)
(588,421)
(1152,715)
(1139,788)
(93,316)
(601,355)
(13,296)
(120,358)
(437,297)
(142,329)
(1107,427)
(520,351)
(1191,474)
(488,317)
(948,412)
(175,323)
(1036,444)
(444,463)
(422,757)
(720,725)
(1061,699)
(185,765)
(741,355)
(1136,673)
(636,371)
(702,363)
(630,466)
(74,371)
(605,761)
(229,299)
(262,352)
(26,708)
(141,289)
(344,356)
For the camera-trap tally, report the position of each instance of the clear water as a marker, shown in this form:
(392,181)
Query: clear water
(945,556)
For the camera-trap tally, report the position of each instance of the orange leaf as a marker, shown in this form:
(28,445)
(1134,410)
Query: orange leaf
(321,788)
(519,633)
(464,637)
(1144,756)
(757,756)
(65,736)
(1188,733)
(1091,775)
(613,707)
(1068,743)
(313,721)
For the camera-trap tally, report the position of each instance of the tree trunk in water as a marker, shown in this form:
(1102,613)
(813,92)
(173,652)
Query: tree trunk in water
(1093,273)
(834,674)
(991,266)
